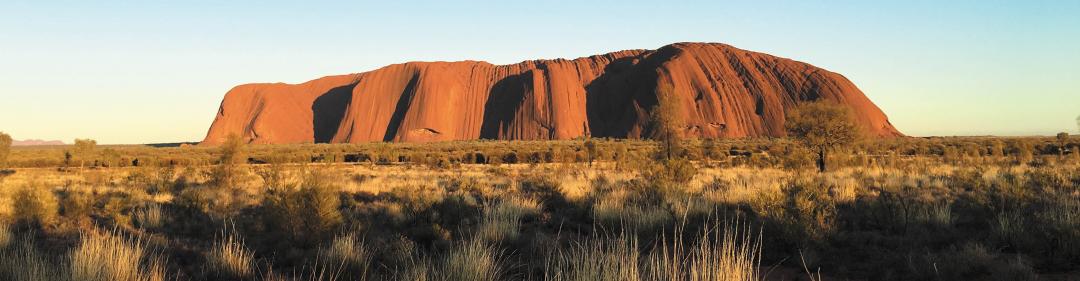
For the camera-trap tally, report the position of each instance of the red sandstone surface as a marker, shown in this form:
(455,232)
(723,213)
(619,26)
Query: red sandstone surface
(724,92)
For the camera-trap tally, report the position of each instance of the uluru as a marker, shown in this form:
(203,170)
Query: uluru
(724,92)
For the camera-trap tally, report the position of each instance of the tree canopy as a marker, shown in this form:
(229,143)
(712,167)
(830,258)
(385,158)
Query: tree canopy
(666,123)
(822,126)
(84,150)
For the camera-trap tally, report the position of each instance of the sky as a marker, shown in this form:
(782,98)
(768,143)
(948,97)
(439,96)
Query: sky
(126,72)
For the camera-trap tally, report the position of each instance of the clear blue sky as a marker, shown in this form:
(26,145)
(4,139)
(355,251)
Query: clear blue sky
(155,71)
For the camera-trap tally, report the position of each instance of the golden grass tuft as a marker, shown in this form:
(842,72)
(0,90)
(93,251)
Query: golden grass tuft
(596,258)
(465,260)
(229,258)
(19,260)
(103,256)
(471,260)
(149,216)
(6,237)
(502,220)
(722,255)
(621,210)
(349,253)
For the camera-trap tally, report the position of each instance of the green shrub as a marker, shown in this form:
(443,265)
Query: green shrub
(307,213)
(35,204)
(118,209)
(810,212)
(76,205)
(230,168)
(678,171)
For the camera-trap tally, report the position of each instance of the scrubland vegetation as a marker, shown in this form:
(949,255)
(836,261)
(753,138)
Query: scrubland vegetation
(596,209)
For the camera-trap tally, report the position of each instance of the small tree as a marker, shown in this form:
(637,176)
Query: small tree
(666,122)
(822,126)
(5,148)
(84,150)
(1063,139)
(590,150)
(666,125)
(229,163)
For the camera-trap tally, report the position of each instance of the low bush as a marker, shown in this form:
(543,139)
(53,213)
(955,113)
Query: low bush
(305,214)
(35,204)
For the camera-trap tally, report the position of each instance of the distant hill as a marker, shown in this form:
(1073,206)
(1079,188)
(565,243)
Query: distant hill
(33,142)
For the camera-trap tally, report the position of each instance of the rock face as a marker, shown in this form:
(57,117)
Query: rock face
(723,91)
